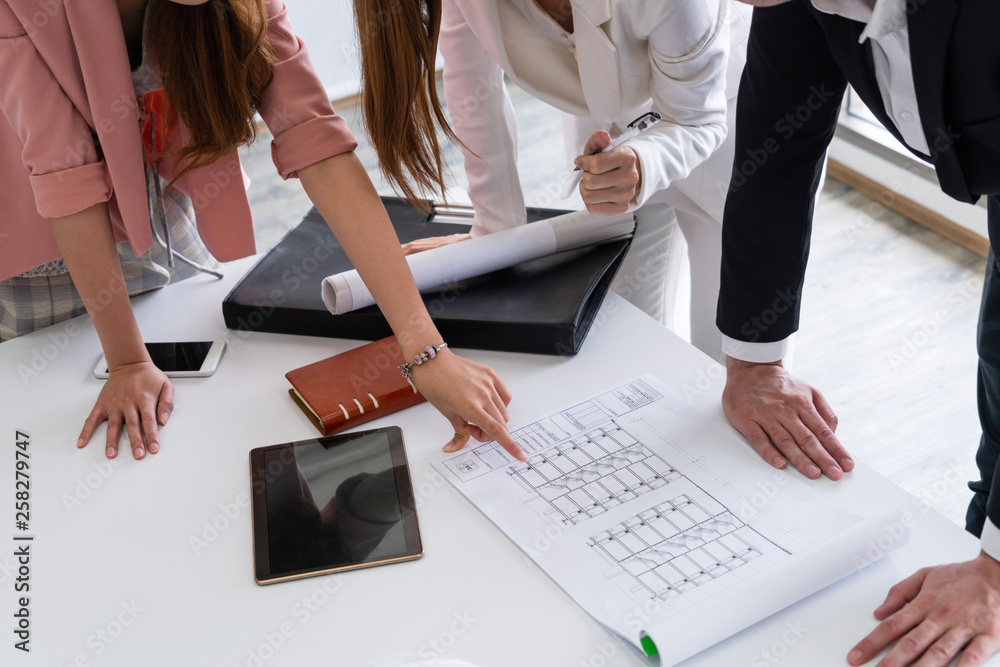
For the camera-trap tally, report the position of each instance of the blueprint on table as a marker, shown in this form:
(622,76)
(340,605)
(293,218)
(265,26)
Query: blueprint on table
(659,521)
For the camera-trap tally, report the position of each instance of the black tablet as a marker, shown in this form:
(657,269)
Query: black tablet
(332,504)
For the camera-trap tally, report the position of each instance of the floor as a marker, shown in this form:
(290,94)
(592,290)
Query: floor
(887,328)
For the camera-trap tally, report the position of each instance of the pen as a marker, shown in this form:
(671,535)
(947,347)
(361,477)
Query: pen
(634,129)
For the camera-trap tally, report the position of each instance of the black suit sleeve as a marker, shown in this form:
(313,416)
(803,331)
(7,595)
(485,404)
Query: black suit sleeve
(789,100)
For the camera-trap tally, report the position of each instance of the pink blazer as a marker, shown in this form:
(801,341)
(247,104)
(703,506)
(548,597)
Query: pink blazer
(64,73)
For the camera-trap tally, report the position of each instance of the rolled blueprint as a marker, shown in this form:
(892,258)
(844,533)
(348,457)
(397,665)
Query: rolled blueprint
(448,264)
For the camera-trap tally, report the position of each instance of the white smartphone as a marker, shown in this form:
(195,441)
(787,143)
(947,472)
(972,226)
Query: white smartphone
(196,359)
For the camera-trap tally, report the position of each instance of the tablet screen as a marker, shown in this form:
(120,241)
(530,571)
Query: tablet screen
(332,503)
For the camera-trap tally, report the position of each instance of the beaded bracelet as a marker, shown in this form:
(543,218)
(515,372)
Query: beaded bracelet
(429,353)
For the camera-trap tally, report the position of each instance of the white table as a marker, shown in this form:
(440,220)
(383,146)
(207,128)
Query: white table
(118,577)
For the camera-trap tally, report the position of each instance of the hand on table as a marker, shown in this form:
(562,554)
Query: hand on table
(935,614)
(610,180)
(420,245)
(471,397)
(138,396)
(784,419)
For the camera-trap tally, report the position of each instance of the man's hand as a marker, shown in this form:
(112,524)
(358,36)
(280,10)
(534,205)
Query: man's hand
(784,419)
(610,180)
(935,614)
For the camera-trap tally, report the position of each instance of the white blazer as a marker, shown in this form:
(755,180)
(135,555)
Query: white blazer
(631,56)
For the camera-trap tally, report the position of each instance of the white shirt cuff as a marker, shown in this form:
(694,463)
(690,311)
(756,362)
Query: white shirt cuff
(761,353)
(990,540)
(647,186)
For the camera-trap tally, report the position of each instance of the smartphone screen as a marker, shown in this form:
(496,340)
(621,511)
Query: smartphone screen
(170,357)
(187,359)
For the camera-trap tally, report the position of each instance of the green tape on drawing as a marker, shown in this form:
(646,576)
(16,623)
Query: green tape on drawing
(648,646)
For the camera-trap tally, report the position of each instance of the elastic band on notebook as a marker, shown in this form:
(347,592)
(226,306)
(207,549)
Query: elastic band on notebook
(360,407)
(373,400)
(346,415)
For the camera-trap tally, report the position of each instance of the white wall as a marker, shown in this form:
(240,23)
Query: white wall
(327,27)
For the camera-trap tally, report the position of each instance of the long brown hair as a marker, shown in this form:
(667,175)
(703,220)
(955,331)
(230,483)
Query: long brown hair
(215,61)
(399,99)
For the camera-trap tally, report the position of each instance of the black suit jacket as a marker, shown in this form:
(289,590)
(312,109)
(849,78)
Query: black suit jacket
(799,61)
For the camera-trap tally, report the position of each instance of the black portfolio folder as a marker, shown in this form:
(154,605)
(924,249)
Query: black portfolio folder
(544,306)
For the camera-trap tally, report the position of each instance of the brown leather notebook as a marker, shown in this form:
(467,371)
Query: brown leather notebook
(354,387)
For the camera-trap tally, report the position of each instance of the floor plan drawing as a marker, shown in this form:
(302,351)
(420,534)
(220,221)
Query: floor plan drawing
(587,475)
(677,546)
(659,519)
(553,429)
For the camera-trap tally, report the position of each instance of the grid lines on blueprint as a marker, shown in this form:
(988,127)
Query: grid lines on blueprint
(553,429)
(586,476)
(679,544)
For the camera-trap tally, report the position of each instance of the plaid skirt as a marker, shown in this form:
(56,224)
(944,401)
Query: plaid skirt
(46,295)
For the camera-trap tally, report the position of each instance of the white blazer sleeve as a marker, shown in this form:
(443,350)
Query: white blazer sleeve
(483,119)
(688,53)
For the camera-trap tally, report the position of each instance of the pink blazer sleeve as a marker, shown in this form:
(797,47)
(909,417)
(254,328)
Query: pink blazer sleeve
(58,150)
(296,107)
